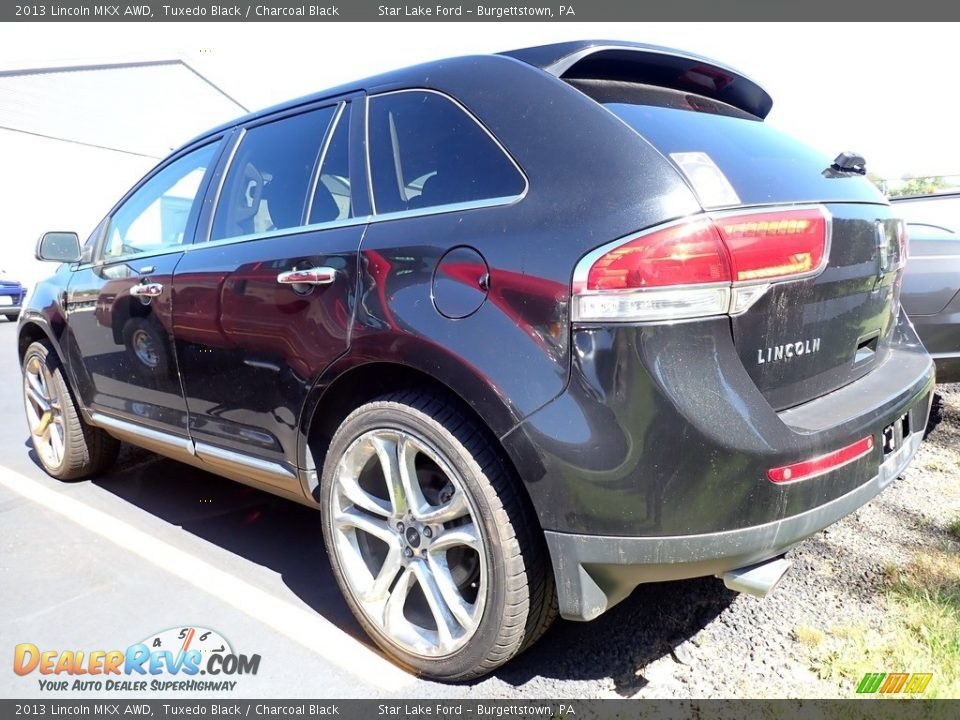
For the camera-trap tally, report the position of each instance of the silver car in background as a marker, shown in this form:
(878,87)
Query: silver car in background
(931,283)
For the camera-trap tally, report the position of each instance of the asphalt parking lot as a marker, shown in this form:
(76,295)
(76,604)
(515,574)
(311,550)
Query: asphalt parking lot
(155,545)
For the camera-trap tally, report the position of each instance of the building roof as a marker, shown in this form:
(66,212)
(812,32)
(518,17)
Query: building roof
(143,108)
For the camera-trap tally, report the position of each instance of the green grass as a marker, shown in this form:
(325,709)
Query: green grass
(954,528)
(921,632)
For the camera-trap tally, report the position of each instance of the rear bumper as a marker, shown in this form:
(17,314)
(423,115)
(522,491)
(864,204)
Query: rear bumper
(661,432)
(15,296)
(595,572)
(653,464)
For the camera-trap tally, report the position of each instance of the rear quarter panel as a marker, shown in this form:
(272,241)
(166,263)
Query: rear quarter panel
(590,180)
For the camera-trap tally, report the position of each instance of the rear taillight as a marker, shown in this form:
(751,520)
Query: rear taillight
(701,266)
(774,245)
(682,254)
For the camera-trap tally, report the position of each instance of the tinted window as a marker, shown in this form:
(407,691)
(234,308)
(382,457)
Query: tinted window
(426,151)
(729,157)
(268,181)
(331,198)
(155,216)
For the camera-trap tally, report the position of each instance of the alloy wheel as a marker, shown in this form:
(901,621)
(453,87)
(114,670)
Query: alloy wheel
(44,412)
(409,543)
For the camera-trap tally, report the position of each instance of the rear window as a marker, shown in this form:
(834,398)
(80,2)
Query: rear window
(426,151)
(729,157)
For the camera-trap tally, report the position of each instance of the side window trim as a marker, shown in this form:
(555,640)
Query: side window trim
(318,166)
(280,232)
(241,131)
(451,207)
(215,198)
(357,155)
(97,257)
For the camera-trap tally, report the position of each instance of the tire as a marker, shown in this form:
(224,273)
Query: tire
(146,344)
(472,538)
(67,446)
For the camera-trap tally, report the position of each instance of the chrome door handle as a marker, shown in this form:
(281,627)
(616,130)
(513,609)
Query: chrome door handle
(309,276)
(148,290)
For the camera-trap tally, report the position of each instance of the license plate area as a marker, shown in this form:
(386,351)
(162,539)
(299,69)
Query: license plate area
(894,434)
(6,300)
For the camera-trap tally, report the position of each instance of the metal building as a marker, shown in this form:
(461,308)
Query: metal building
(74,138)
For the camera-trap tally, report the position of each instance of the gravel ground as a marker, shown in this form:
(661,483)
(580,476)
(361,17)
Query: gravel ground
(697,639)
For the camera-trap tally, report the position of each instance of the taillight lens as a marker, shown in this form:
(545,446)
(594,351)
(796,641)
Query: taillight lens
(703,266)
(774,245)
(684,254)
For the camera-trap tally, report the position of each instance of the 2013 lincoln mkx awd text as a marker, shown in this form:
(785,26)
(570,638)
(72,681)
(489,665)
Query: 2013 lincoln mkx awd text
(529,329)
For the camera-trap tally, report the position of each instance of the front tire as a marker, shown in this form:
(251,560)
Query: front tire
(434,547)
(68,447)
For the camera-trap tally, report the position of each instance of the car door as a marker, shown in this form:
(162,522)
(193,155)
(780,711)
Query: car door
(119,343)
(266,302)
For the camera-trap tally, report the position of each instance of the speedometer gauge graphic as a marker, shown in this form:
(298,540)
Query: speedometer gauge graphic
(184,639)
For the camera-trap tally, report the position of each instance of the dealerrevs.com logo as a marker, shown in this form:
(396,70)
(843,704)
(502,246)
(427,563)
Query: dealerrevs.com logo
(172,660)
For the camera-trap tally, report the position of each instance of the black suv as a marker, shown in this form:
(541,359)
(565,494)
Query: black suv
(529,329)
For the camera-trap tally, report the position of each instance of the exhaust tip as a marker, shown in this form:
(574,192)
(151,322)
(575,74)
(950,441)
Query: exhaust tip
(758,580)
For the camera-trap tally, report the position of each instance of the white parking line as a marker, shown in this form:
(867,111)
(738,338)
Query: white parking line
(307,628)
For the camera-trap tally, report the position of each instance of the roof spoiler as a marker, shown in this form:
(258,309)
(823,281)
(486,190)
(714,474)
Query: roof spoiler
(650,65)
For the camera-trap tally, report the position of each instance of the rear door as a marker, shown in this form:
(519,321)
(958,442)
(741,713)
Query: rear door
(266,302)
(119,307)
(802,338)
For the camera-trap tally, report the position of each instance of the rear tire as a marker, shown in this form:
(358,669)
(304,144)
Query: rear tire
(465,584)
(67,446)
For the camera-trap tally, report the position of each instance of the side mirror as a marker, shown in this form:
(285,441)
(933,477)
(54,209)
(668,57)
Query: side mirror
(63,247)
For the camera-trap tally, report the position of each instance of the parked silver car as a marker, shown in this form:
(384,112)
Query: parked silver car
(931,283)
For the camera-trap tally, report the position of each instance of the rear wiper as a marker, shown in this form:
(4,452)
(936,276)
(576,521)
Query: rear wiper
(847,163)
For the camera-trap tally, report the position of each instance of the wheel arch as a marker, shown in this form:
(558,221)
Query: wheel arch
(356,383)
(353,384)
(31,331)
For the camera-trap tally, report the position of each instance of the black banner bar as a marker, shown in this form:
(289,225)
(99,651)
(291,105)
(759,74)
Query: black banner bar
(484,709)
(481,11)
